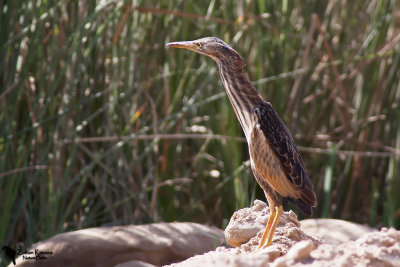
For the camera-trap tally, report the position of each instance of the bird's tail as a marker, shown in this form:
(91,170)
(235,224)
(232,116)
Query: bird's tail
(299,203)
(306,201)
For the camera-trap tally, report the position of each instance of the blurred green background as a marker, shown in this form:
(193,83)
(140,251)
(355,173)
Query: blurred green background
(101,124)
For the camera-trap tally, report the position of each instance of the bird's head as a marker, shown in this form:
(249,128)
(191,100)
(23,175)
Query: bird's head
(212,47)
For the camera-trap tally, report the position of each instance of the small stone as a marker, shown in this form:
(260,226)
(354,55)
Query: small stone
(259,205)
(300,250)
(281,262)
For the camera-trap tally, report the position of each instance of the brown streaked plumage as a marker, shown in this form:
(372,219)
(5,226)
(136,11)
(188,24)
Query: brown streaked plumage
(275,161)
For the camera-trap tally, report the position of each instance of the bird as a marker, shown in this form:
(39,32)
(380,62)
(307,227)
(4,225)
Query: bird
(275,161)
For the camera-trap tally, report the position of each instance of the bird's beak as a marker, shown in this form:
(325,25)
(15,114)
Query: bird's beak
(186,44)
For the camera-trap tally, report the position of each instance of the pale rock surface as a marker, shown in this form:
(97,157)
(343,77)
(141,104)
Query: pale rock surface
(247,226)
(132,245)
(291,246)
(245,230)
(335,231)
(246,223)
(373,249)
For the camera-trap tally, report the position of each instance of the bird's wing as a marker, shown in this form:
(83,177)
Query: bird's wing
(294,183)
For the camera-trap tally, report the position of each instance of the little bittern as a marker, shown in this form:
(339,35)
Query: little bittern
(275,161)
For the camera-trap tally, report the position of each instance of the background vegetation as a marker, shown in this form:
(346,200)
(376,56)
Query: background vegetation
(101,124)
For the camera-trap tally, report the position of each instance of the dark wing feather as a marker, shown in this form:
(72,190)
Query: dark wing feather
(285,150)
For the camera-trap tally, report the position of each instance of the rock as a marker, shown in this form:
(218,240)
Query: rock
(246,223)
(335,231)
(245,230)
(298,252)
(291,246)
(226,257)
(134,264)
(372,249)
(247,226)
(133,245)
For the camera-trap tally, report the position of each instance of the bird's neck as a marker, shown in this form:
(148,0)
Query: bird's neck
(242,94)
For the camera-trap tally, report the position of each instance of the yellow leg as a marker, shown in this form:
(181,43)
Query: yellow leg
(273,221)
(267,228)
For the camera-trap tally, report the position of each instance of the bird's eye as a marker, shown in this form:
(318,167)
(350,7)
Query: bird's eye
(198,45)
